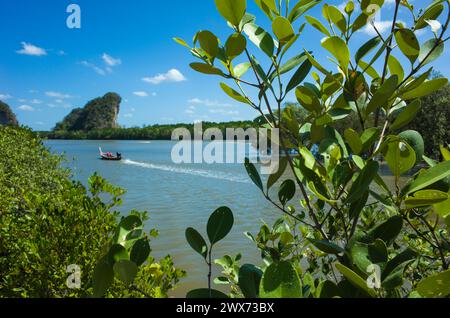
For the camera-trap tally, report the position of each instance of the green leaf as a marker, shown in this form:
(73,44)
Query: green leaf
(235,45)
(435,286)
(408,44)
(181,42)
(117,252)
(249,280)
(317,24)
(445,153)
(206,69)
(383,94)
(387,231)
(273,178)
(327,247)
(301,8)
(415,140)
(425,198)
(395,278)
(316,64)
(426,88)
(443,208)
(362,183)
(426,56)
(369,137)
(368,69)
(220,224)
(329,290)
(356,280)
(407,115)
(253,174)
(353,141)
(209,43)
(197,242)
(400,157)
(282,29)
(364,255)
(126,271)
(308,99)
(280,280)
(205,293)
(103,277)
(398,260)
(432,13)
(367,48)
(232,10)
(360,22)
(267,6)
(286,192)
(140,252)
(338,18)
(396,68)
(241,69)
(126,226)
(337,46)
(429,177)
(299,75)
(233,94)
(260,38)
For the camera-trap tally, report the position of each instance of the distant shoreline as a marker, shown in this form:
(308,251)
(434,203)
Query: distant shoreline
(146,133)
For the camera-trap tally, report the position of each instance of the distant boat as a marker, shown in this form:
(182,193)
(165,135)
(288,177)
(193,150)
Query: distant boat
(109,156)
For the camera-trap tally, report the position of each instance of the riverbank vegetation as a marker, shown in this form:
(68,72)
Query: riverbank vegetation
(350,235)
(154,132)
(52,226)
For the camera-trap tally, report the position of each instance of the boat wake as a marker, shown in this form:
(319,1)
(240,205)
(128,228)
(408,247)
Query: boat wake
(194,172)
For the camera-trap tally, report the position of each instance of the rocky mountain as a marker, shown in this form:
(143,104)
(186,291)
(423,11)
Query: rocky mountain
(7,117)
(100,113)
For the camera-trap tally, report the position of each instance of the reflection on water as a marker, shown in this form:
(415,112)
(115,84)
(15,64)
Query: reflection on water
(177,197)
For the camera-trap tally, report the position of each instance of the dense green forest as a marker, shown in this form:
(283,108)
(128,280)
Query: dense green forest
(154,132)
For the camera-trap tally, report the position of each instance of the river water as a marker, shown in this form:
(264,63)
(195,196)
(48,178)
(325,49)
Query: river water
(176,196)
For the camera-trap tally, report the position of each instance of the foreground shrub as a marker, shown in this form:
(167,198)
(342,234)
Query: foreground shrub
(349,234)
(49,222)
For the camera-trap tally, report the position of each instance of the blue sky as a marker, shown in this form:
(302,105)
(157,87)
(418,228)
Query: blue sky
(47,69)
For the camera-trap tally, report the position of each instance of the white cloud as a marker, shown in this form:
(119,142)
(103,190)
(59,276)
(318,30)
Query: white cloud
(26,108)
(190,110)
(154,94)
(172,75)
(36,101)
(58,95)
(128,115)
(30,49)
(207,102)
(382,27)
(111,61)
(61,53)
(5,96)
(222,111)
(140,94)
(97,69)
